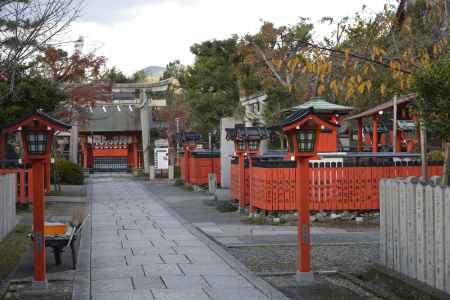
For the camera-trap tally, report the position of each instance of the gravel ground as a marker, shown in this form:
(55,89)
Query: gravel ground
(352,259)
(351,253)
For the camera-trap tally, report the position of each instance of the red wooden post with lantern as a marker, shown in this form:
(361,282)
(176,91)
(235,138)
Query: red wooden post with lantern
(306,132)
(37,130)
(247,144)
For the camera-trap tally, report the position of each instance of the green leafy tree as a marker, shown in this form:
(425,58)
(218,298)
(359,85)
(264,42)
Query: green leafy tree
(432,85)
(138,76)
(175,70)
(115,75)
(269,61)
(30,94)
(211,86)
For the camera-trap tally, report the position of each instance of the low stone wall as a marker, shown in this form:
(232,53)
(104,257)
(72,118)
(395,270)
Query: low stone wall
(7,204)
(415,230)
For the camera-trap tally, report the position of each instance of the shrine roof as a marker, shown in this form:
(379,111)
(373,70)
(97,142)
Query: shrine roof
(387,105)
(247,133)
(111,118)
(321,105)
(40,114)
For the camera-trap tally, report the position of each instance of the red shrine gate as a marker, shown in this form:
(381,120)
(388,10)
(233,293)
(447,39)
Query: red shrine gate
(110,138)
(111,152)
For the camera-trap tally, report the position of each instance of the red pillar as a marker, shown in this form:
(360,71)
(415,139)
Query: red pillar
(135,155)
(187,165)
(84,148)
(398,144)
(38,223)
(375,133)
(241,181)
(360,135)
(304,239)
(47,175)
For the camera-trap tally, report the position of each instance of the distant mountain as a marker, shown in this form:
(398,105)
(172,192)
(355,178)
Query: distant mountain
(154,71)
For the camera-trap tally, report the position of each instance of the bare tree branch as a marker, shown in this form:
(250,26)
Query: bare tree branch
(27,27)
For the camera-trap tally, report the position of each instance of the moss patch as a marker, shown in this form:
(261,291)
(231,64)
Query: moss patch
(12,248)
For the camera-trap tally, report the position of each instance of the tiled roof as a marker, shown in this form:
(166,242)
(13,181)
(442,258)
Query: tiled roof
(111,118)
(321,105)
(247,133)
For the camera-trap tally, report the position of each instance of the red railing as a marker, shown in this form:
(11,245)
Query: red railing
(234,179)
(197,166)
(200,167)
(24,183)
(333,186)
(354,187)
(272,186)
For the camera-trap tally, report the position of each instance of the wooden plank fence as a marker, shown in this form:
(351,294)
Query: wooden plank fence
(415,230)
(7,204)
(24,183)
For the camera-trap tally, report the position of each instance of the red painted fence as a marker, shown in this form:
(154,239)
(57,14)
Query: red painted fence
(333,186)
(355,186)
(195,168)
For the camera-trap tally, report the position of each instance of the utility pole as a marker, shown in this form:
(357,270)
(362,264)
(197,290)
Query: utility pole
(146,115)
(394,135)
(73,149)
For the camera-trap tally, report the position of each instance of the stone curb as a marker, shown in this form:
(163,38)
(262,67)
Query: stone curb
(235,264)
(82,278)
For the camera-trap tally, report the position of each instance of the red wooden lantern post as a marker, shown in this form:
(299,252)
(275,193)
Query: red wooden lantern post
(37,132)
(303,129)
(247,142)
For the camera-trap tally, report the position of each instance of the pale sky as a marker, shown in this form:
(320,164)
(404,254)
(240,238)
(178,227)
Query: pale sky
(134,34)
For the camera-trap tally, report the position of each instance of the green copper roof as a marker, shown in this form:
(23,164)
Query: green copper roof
(321,105)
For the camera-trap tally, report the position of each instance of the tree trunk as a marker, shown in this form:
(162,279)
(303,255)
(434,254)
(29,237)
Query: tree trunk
(423,152)
(445,179)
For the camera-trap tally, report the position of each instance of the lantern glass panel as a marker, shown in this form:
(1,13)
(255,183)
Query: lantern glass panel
(253,145)
(37,143)
(241,146)
(306,139)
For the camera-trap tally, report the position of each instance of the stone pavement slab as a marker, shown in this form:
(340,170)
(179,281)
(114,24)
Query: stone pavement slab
(178,294)
(112,285)
(149,282)
(184,282)
(139,249)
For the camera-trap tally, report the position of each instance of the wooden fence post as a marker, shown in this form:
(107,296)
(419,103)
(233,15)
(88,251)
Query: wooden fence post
(420,227)
(439,237)
(403,229)
(383,210)
(411,227)
(447,238)
(429,236)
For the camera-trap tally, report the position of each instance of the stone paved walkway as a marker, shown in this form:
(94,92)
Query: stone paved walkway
(140,250)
